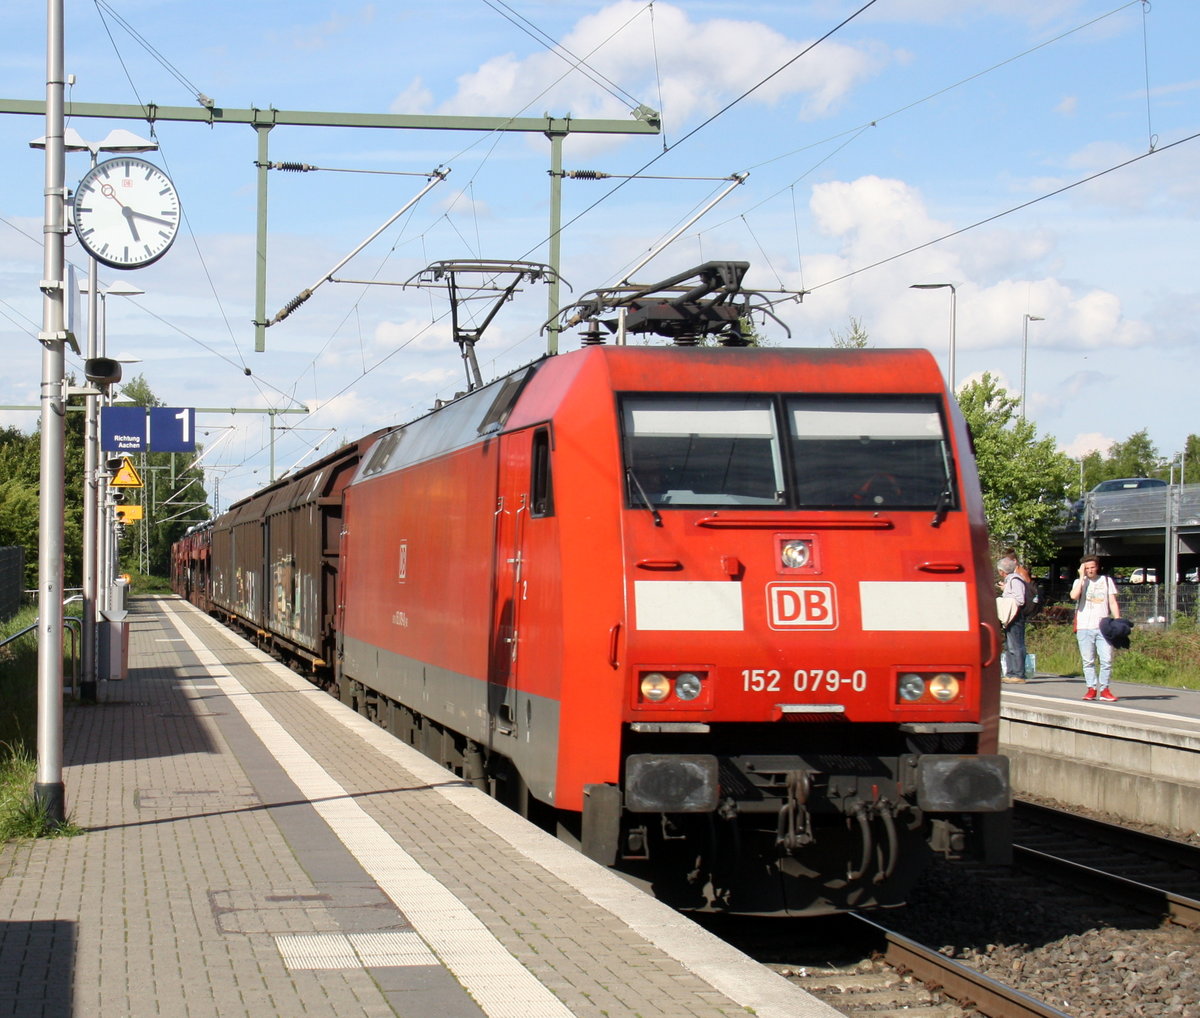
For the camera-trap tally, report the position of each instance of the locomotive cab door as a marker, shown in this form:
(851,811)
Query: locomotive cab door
(512,511)
(521,717)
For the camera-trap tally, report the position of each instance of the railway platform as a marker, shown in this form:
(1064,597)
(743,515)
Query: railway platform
(1138,758)
(250,846)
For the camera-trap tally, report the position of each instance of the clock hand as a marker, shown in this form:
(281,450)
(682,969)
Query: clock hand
(153,219)
(128,213)
(108,192)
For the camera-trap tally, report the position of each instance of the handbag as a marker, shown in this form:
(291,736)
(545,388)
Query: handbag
(1006,609)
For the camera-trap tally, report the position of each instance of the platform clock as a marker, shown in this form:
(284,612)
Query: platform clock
(127,212)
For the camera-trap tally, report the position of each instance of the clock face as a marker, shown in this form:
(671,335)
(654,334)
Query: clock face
(126,212)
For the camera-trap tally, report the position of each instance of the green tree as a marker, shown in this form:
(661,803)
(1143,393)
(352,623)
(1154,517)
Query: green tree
(1135,457)
(1023,477)
(853,338)
(1191,459)
(20,466)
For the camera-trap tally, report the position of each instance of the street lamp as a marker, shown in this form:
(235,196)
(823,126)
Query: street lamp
(953,317)
(1025,354)
(103,531)
(117,141)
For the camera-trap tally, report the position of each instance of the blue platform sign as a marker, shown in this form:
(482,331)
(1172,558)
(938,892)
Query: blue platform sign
(134,429)
(172,429)
(123,429)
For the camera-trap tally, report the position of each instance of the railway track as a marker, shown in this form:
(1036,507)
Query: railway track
(1153,874)
(1091,918)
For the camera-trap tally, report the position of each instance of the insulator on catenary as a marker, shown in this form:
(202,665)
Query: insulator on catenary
(293,167)
(588,174)
(291,306)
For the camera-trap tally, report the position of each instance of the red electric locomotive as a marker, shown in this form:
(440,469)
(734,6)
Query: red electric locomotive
(723,614)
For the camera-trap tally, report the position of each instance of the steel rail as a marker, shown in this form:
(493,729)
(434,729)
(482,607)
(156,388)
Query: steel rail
(1179,908)
(966,986)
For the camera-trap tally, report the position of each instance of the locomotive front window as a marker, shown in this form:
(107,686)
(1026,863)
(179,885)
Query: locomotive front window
(688,450)
(854,453)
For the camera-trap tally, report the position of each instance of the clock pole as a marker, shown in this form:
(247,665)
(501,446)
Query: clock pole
(49,791)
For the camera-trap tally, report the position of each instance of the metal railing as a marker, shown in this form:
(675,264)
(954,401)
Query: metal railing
(74,627)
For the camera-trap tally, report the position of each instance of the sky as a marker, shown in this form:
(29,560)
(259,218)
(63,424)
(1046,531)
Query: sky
(1039,155)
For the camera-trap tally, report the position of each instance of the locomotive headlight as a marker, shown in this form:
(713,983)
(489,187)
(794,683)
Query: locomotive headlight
(944,687)
(912,687)
(796,554)
(687,685)
(656,687)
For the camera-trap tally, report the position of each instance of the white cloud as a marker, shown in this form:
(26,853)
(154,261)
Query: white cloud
(703,65)
(416,99)
(1087,442)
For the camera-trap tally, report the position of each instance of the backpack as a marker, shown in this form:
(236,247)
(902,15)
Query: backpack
(1033,600)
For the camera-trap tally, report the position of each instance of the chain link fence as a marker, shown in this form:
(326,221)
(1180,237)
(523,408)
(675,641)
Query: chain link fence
(1142,603)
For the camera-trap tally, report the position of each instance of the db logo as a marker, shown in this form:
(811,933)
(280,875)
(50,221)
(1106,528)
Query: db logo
(802,606)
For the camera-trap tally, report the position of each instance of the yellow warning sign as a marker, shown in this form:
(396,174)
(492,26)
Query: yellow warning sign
(127,476)
(129,513)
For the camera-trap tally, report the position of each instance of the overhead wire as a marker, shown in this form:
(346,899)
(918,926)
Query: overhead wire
(553,46)
(719,113)
(1005,212)
(101,7)
(1153,138)
(575,63)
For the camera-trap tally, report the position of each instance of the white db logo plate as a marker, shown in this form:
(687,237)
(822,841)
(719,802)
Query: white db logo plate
(802,606)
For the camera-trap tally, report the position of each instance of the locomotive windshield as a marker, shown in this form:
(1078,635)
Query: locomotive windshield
(818,452)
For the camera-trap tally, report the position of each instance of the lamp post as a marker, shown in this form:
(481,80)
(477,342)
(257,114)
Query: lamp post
(116,141)
(102,530)
(953,318)
(1025,354)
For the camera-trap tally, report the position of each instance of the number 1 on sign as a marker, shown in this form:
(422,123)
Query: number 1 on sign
(184,428)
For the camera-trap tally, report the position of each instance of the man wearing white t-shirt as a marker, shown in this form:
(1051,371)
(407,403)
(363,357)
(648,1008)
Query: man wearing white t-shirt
(1095,598)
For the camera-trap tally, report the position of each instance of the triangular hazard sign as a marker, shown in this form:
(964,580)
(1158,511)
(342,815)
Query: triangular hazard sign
(127,476)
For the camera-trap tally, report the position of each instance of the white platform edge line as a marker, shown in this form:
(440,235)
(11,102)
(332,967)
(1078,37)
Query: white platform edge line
(722,966)
(517,994)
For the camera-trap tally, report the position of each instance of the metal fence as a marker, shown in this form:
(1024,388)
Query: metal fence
(1143,508)
(12,580)
(1142,603)
(1147,602)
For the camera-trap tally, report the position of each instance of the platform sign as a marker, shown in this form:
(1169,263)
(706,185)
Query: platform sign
(123,429)
(136,429)
(172,429)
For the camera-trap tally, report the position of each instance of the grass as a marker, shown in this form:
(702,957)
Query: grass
(21,815)
(141,583)
(1156,657)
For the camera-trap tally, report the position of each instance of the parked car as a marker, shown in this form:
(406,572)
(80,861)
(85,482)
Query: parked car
(1142,575)
(1113,486)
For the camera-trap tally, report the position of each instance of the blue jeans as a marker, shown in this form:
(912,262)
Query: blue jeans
(1092,644)
(1014,649)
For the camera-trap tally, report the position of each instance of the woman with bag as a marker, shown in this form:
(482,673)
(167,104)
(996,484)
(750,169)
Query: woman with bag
(1095,598)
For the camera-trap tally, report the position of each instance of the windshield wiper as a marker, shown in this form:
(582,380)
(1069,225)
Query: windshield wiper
(642,491)
(941,507)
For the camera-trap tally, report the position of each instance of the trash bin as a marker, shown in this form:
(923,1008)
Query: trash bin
(113,659)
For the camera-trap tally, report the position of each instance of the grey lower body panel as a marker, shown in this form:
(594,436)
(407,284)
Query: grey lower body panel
(511,722)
